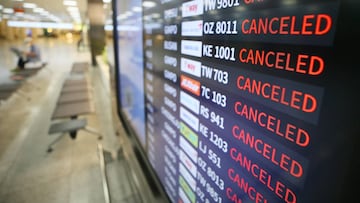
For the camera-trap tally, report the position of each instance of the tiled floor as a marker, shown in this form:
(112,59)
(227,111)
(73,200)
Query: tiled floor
(72,172)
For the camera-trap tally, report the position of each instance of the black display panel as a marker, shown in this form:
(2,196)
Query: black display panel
(251,100)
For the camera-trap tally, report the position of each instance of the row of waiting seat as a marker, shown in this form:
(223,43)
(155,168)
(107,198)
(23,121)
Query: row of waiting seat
(74,101)
(17,79)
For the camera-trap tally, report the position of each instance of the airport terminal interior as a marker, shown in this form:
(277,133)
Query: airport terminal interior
(73,171)
(195,101)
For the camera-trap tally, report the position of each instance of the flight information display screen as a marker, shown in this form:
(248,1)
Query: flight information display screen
(247,100)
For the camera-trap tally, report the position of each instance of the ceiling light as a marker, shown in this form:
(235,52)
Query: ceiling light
(40,24)
(29,5)
(69,3)
(45,13)
(38,10)
(148,4)
(8,10)
(137,9)
(128,13)
(72,9)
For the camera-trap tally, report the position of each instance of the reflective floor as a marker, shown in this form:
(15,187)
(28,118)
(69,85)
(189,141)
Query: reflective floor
(72,172)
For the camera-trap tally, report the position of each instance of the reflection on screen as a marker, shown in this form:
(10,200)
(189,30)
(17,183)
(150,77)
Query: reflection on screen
(130,58)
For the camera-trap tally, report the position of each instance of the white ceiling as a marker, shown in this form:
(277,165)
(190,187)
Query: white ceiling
(56,10)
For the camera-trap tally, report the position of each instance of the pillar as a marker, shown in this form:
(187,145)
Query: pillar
(96,33)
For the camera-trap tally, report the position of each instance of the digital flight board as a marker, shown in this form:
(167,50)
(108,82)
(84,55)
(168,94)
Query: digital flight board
(245,100)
